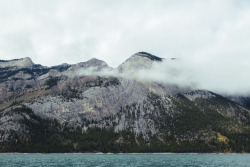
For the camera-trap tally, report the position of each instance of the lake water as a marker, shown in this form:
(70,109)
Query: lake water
(119,160)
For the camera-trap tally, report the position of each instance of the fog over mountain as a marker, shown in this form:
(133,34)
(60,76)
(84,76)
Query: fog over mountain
(229,79)
(208,38)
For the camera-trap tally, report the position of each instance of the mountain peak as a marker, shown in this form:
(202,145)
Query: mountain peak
(148,55)
(140,60)
(90,63)
(23,62)
(97,62)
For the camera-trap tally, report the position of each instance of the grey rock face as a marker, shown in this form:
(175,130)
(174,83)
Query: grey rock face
(13,121)
(198,94)
(23,63)
(148,55)
(140,60)
(242,100)
(15,81)
(91,63)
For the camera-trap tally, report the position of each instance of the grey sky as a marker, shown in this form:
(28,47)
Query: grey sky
(213,35)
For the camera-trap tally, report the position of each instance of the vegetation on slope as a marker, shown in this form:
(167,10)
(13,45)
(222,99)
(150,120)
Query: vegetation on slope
(48,136)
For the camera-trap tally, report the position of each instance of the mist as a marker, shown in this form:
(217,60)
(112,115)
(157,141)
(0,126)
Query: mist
(228,78)
(210,38)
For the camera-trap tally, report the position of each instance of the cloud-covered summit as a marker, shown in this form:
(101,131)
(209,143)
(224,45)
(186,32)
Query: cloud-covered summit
(226,78)
(181,72)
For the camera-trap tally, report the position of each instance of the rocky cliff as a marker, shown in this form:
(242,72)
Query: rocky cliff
(21,63)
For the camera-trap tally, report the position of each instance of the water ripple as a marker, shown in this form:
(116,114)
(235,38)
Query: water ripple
(122,160)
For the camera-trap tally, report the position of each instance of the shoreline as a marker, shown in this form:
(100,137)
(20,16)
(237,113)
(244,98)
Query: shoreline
(100,153)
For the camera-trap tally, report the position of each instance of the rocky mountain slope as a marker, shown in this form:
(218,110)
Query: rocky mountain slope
(90,107)
(242,100)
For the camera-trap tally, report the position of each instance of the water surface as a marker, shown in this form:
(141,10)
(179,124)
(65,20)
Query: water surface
(119,160)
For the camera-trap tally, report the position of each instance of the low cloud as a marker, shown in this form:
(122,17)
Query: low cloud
(227,78)
(222,77)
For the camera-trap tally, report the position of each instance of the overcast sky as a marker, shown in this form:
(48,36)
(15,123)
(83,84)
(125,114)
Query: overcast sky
(211,33)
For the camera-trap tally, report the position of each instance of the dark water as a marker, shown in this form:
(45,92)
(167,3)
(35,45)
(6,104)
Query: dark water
(119,160)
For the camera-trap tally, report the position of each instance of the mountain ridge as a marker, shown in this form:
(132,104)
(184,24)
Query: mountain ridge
(150,56)
(23,62)
(44,110)
(27,59)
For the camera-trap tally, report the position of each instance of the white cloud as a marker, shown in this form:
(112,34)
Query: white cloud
(213,35)
(229,79)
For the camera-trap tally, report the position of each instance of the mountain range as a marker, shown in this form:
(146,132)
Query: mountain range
(91,107)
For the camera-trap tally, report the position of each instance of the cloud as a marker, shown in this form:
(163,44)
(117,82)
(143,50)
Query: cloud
(212,35)
(227,78)
(221,77)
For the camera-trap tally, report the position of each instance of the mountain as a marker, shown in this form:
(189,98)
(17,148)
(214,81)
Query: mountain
(140,60)
(91,107)
(242,100)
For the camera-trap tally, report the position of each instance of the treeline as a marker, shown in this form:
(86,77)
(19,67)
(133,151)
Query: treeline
(48,136)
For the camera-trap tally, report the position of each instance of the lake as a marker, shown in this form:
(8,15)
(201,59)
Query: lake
(119,160)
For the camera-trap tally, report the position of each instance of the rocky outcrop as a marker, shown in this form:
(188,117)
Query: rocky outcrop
(138,61)
(22,63)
